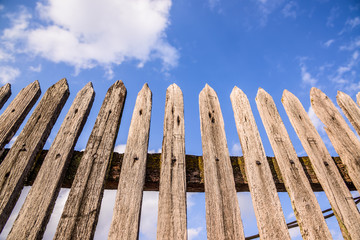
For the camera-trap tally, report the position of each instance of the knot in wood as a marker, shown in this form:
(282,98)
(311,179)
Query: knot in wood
(292,162)
(326,163)
(173,160)
(216,159)
(136,158)
(258,162)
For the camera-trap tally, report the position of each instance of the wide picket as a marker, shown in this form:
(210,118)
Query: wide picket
(5,93)
(344,140)
(350,109)
(20,159)
(81,211)
(269,215)
(15,113)
(307,210)
(223,219)
(326,171)
(126,215)
(35,212)
(172,190)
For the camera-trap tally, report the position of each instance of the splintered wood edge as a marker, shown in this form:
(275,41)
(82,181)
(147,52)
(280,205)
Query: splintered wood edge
(194,172)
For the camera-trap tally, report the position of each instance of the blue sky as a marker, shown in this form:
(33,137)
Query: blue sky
(272,44)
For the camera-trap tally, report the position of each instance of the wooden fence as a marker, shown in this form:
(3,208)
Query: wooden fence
(172,172)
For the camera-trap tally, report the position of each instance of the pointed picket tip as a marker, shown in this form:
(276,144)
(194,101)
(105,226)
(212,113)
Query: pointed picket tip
(88,87)
(207,90)
(341,94)
(261,91)
(173,88)
(7,86)
(287,94)
(237,91)
(316,92)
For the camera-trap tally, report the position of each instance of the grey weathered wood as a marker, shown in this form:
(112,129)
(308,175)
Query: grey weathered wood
(32,138)
(350,109)
(342,138)
(35,212)
(15,113)
(306,208)
(269,215)
(172,190)
(5,92)
(80,214)
(222,208)
(126,217)
(326,171)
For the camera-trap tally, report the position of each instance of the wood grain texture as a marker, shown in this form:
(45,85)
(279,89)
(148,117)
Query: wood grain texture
(350,109)
(80,214)
(29,143)
(15,113)
(222,208)
(172,189)
(269,215)
(126,217)
(326,171)
(342,138)
(35,212)
(306,208)
(358,99)
(5,92)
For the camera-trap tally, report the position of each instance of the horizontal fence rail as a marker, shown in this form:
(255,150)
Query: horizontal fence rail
(173,173)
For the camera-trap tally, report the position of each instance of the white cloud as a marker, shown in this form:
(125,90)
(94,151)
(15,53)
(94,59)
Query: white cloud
(35,69)
(266,8)
(352,45)
(12,141)
(193,232)
(316,121)
(353,23)
(334,14)
(8,74)
(236,149)
(306,76)
(1,7)
(329,43)
(149,213)
(120,148)
(85,34)
(155,151)
(290,10)
(294,232)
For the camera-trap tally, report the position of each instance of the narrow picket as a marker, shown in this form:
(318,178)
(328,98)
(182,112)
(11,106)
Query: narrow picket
(126,215)
(269,215)
(326,171)
(350,109)
(223,219)
(5,92)
(81,211)
(21,157)
(15,113)
(342,138)
(306,208)
(35,212)
(172,189)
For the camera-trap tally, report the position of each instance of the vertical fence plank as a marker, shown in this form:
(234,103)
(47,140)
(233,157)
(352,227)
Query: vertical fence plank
(5,92)
(269,215)
(222,209)
(350,109)
(326,171)
(126,217)
(32,138)
(307,211)
(172,189)
(342,138)
(358,99)
(15,113)
(35,213)
(79,218)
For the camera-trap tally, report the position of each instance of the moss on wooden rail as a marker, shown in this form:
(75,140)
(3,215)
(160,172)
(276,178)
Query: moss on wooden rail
(194,172)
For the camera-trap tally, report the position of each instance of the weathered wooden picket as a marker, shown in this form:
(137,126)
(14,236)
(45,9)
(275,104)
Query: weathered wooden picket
(173,173)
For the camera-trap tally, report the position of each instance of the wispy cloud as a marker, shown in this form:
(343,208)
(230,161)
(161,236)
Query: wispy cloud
(194,232)
(334,14)
(352,45)
(328,43)
(290,10)
(267,7)
(68,32)
(35,69)
(306,77)
(236,149)
(8,74)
